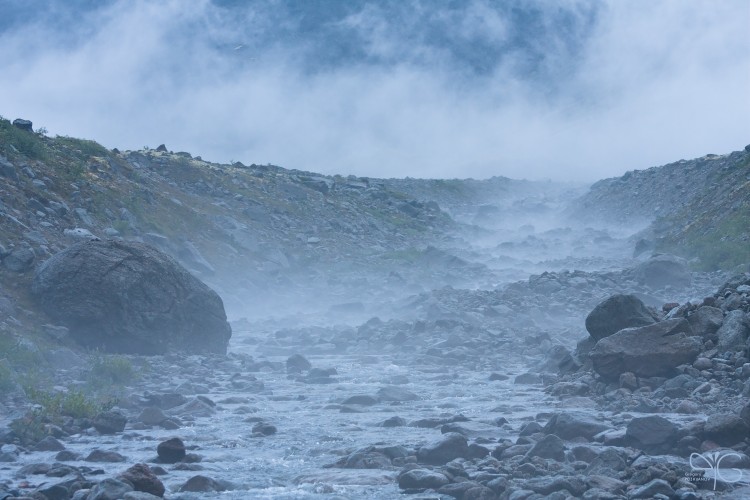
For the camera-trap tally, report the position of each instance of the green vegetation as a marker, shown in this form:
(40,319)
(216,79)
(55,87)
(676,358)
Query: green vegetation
(111,370)
(27,143)
(85,147)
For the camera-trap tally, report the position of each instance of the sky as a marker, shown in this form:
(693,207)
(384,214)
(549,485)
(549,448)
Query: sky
(568,90)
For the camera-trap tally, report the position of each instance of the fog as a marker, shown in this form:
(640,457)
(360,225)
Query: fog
(572,91)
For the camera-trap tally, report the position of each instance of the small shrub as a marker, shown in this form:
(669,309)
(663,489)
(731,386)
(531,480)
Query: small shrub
(108,370)
(86,147)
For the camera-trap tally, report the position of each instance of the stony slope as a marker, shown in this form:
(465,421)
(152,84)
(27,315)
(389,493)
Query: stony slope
(696,208)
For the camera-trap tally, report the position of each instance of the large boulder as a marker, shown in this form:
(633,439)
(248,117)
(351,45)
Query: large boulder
(706,320)
(663,270)
(617,313)
(734,331)
(648,351)
(130,298)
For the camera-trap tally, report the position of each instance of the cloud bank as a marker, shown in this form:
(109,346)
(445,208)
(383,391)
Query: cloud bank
(585,90)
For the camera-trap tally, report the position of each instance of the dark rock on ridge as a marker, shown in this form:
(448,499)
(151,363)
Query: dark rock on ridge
(131,298)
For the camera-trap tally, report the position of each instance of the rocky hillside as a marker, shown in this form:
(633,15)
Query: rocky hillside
(264,237)
(698,208)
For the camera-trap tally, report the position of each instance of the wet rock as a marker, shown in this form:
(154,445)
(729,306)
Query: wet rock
(726,429)
(471,429)
(110,422)
(109,489)
(652,489)
(166,401)
(548,485)
(395,393)
(421,479)
(550,446)
(152,415)
(297,363)
(652,433)
(129,297)
(617,313)
(68,456)
(734,331)
(394,421)
(140,495)
(362,400)
(663,270)
(450,447)
(49,444)
(706,320)
(143,479)
(571,425)
(264,429)
(202,484)
(171,451)
(104,456)
(528,379)
(498,377)
(648,351)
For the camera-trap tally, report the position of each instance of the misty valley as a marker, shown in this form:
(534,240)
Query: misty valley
(173,327)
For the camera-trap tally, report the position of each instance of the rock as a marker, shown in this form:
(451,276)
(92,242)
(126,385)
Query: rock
(648,351)
(104,456)
(651,433)
(734,331)
(297,363)
(264,429)
(161,148)
(143,479)
(706,320)
(22,124)
(394,421)
(129,297)
(571,425)
(202,484)
(7,169)
(140,495)
(450,447)
(49,444)
(68,456)
(550,446)
(110,422)
(528,379)
(19,260)
(109,489)
(80,233)
(171,451)
(663,270)
(726,429)
(361,399)
(617,313)
(421,479)
(152,415)
(549,485)
(652,489)
(395,393)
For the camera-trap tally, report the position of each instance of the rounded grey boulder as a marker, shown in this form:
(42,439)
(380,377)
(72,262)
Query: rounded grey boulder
(128,297)
(617,313)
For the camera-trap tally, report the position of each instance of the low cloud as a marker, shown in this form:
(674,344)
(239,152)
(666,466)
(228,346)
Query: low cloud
(639,84)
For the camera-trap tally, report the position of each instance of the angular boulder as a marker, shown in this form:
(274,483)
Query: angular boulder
(617,313)
(706,320)
(734,331)
(128,297)
(649,351)
(663,270)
